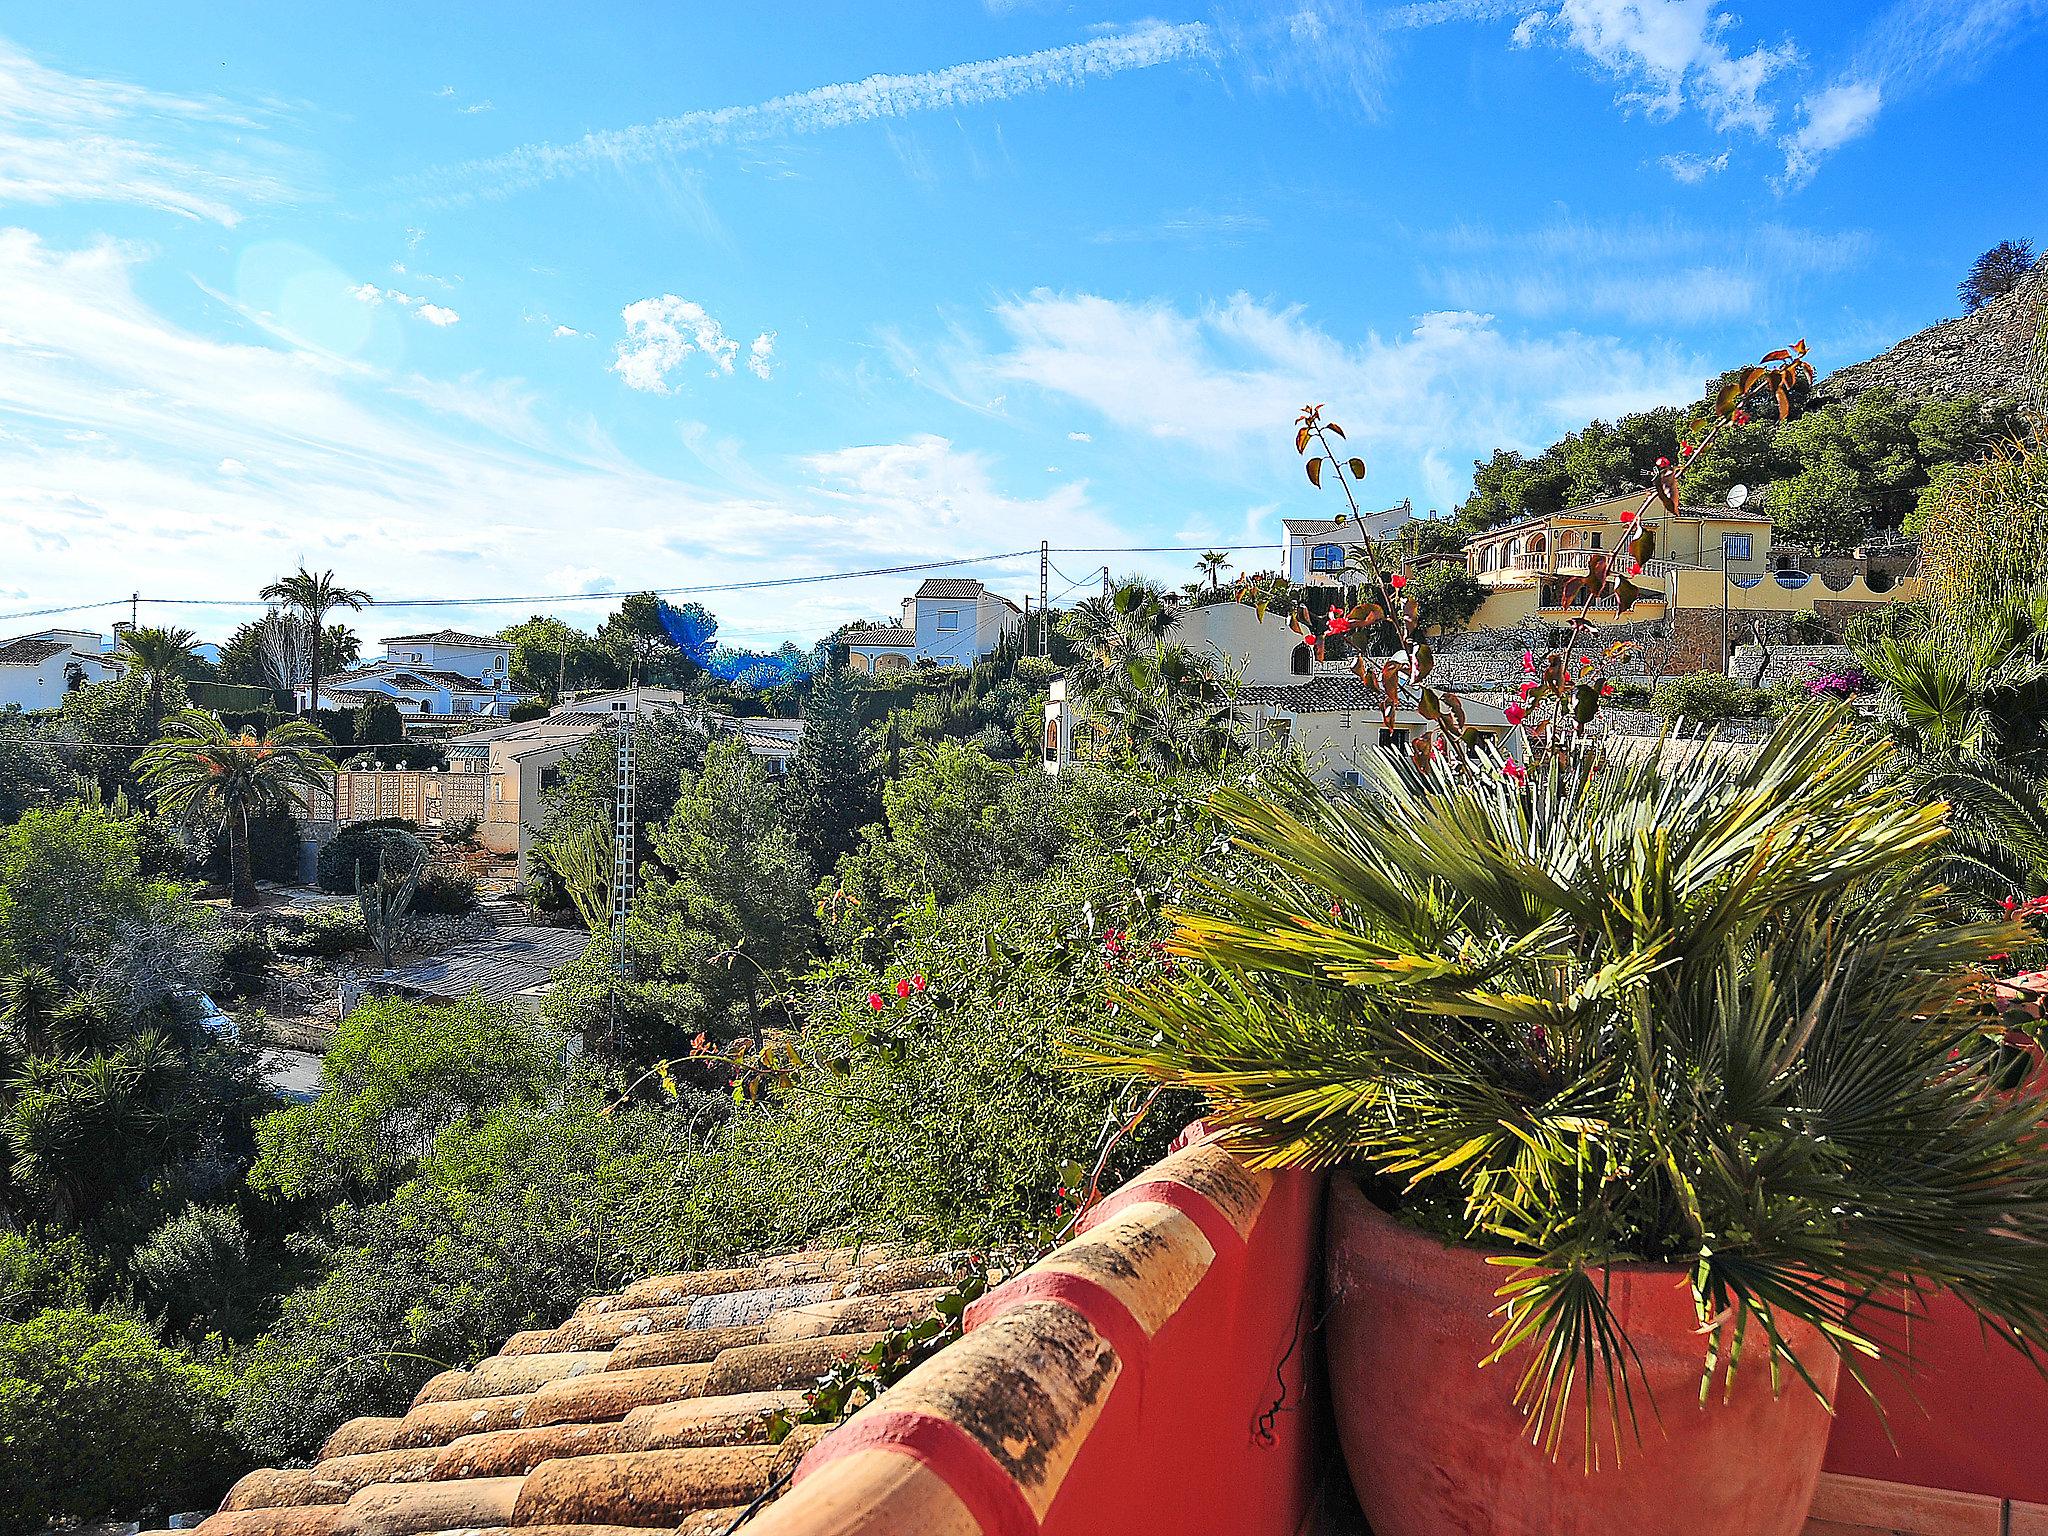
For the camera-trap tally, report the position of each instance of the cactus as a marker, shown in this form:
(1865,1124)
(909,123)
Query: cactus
(386,901)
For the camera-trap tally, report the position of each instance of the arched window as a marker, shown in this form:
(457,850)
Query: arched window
(1052,738)
(1302,661)
(1326,557)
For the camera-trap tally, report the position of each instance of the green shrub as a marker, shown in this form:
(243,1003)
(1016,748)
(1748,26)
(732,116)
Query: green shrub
(529,709)
(1629,694)
(445,890)
(41,1268)
(193,1272)
(99,1420)
(324,931)
(359,843)
(1702,698)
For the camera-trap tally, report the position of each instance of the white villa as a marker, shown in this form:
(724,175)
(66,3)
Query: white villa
(1319,548)
(446,673)
(949,621)
(38,670)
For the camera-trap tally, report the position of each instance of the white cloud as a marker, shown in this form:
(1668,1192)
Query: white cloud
(1667,54)
(1079,437)
(761,354)
(433,314)
(475,107)
(660,334)
(1234,373)
(120,427)
(568,333)
(71,138)
(1832,118)
(876,98)
(1691,168)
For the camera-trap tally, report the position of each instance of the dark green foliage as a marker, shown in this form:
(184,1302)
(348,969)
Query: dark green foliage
(638,646)
(358,844)
(833,790)
(668,747)
(273,851)
(530,709)
(192,1274)
(68,877)
(99,1420)
(32,768)
(1448,596)
(1704,698)
(42,1268)
(445,889)
(323,931)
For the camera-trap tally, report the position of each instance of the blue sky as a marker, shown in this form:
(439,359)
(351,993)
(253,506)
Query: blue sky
(518,298)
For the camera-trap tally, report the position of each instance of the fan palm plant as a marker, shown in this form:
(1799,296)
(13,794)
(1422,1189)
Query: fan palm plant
(161,656)
(1963,697)
(1213,563)
(313,597)
(1694,1008)
(201,773)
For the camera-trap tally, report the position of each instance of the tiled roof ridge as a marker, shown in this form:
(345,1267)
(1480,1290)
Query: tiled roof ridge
(648,1409)
(979,1439)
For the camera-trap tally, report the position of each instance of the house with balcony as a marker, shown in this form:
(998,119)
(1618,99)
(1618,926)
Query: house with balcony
(37,671)
(442,675)
(947,622)
(1321,550)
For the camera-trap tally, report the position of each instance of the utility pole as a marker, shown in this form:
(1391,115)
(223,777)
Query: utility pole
(1044,589)
(1106,594)
(622,852)
(1724,606)
(134,610)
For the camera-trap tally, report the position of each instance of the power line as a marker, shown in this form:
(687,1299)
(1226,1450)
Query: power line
(684,591)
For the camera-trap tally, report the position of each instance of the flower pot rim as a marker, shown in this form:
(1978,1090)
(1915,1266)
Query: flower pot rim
(1408,1232)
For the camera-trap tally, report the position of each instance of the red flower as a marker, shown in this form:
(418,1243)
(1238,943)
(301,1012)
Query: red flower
(875,1001)
(1685,450)
(1606,690)
(917,981)
(1529,688)
(2009,903)
(1741,417)
(1397,582)
(1635,567)
(1663,463)
(903,989)
(1113,941)
(1514,771)
(1339,623)
(1529,662)
(1515,714)
(1628,517)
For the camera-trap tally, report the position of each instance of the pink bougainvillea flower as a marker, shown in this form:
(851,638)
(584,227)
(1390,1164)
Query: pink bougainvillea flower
(1635,567)
(1663,463)
(917,981)
(1740,418)
(875,1001)
(1606,690)
(1515,713)
(903,989)
(2009,903)
(1685,450)
(1529,662)
(1514,771)
(1339,624)
(1529,688)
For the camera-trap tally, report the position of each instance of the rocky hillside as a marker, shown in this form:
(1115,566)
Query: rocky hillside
(1986,354)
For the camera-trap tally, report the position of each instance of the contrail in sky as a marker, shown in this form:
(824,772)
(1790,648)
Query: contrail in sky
(829,106)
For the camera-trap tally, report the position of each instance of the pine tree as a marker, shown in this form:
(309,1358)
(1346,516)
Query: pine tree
(832,791)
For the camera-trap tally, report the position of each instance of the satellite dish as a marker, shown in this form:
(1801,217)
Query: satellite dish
(1737,495)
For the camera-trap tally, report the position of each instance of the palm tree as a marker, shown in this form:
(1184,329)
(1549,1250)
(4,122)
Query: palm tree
(1213,564)
(199,772)
(1964,700)
(161,656)
(314,597)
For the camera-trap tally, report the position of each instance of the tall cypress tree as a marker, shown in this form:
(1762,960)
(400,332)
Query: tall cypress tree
(833,790)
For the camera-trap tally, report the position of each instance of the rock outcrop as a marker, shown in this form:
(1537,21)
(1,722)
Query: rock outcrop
(1989,353)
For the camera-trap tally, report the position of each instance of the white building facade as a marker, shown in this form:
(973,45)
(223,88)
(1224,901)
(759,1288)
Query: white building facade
(1320,550)
(37,671)
(948,622)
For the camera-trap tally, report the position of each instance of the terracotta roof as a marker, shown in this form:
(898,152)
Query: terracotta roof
(951,586)
(645,1409)
(443,637)
(30,652)
(882,634)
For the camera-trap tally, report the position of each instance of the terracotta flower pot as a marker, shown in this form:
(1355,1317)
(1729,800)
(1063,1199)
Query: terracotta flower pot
(1437,1447)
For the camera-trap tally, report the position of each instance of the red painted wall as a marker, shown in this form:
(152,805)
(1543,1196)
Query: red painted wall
(1187,1447)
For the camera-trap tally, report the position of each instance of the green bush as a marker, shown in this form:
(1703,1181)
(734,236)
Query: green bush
(41,1268)
(324,931)
(445,890)
(529,709)
(99,1420)
(1703,698)
(192,1272)
(359,843)
(1629,694)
